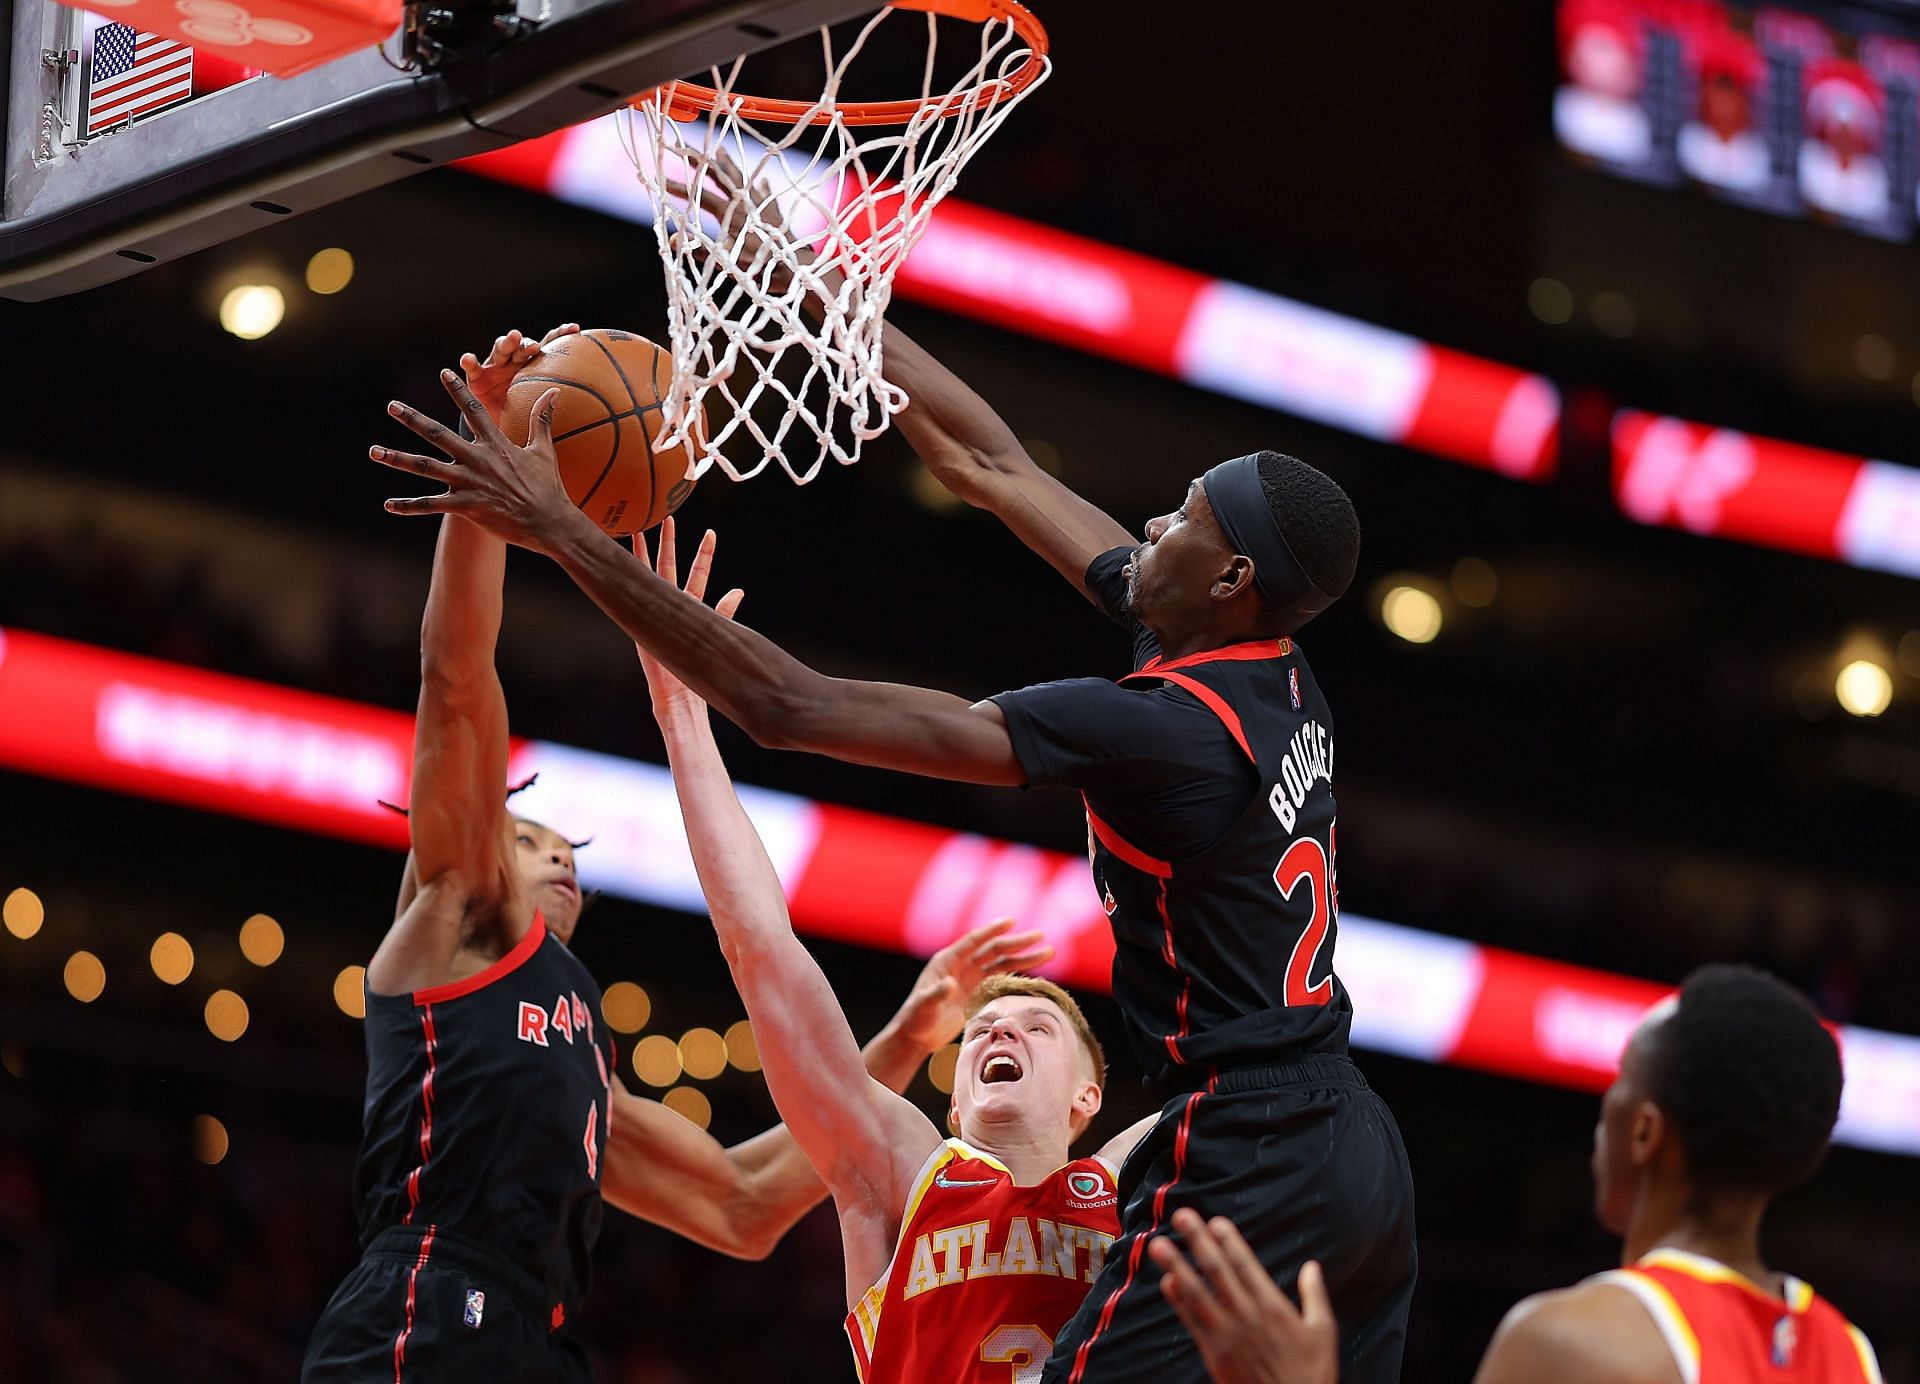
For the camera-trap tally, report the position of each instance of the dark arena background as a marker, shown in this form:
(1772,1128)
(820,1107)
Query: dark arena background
(1629,680)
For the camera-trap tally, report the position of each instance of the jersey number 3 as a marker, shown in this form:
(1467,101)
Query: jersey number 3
(1026,1348)
(1305,860)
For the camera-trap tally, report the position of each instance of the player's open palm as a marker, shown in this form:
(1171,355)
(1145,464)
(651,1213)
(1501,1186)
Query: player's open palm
(511,353)
(1248,1331)
(672,697)
(935,1011)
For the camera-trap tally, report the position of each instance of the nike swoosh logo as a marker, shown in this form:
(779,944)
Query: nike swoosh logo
(942,1180)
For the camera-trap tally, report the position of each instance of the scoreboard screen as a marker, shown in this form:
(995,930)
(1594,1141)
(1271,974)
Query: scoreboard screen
(1805,110)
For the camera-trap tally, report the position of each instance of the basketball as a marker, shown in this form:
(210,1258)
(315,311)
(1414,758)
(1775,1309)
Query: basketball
(611,407)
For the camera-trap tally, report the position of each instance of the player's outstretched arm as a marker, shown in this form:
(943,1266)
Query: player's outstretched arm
(515,492)
(462,837)
(865,1141)
(742,1200)
(971,451)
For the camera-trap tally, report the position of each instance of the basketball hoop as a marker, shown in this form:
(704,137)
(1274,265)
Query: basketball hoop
(764,207)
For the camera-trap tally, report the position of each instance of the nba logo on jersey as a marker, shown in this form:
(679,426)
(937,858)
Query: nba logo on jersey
(476,1306)
(1293,686)
(1785,1338)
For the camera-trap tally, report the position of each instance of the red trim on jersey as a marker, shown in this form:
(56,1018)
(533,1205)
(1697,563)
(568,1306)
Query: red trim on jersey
(512,961)
(426,1116)
(1249,652)
(1186,981)
(1121,847)
(1139,1250)
(400,1341)
(1213,702)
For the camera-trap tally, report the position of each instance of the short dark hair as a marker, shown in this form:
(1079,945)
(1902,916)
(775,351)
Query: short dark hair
(1750,1079)
(1317,518)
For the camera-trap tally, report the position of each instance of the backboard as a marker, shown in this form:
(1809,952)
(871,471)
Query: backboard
(76,212)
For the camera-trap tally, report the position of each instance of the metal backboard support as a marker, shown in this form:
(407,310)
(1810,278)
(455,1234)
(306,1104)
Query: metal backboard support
(74,215)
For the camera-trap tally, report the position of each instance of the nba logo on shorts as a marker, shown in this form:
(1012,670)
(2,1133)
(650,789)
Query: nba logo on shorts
(476,1306)
(1293,686)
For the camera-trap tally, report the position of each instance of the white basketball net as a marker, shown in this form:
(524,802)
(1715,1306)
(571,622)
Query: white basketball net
(827,213)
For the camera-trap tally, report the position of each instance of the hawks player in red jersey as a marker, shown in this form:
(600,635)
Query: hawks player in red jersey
(1726,1097)
(964,1256)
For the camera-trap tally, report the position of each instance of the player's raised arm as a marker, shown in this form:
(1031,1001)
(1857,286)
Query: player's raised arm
(971,451)
(462,835)
(515,492)
(741,1200)
(865,1141)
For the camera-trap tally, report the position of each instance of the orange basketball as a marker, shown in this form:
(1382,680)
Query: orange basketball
(611,407)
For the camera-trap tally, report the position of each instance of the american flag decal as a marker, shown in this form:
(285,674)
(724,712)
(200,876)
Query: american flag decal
(134,74)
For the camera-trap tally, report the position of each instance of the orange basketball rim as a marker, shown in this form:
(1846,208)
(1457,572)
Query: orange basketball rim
(686,100)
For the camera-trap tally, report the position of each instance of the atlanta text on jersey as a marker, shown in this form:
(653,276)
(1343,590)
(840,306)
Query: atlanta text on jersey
(942,1258)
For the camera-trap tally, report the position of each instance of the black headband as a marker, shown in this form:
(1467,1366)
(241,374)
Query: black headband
(1233,490)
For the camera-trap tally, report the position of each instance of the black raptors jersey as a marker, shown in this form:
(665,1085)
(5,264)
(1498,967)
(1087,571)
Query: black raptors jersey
(486,1116)
(1225,941)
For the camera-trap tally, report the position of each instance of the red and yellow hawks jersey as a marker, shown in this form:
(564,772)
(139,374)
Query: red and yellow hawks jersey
(1723,1328)
(985,1272)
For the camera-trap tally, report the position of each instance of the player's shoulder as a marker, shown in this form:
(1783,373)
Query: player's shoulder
(1828,1320)
(1595,1332)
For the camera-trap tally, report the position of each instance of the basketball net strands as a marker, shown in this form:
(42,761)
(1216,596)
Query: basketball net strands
(771,213)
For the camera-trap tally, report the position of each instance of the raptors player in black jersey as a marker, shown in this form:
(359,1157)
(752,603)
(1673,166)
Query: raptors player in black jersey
(494,1122)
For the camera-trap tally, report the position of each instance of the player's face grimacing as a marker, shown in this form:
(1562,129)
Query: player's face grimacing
(546,864)
(1021,1064)
(1169,577)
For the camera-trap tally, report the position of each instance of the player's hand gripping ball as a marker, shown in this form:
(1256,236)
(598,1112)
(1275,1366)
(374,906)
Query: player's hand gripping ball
(612,406)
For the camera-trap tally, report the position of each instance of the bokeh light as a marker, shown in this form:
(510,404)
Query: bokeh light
(261,940)
(625,1007)
(23,913)
(85,976)
(226,1015)
(656,1060)
(209,1139)
(172,957)
(940,1068)
(1475,583)
(689,1104)
(330,270)
(252,310)
(350,991)
(703,1053)
(1863,688)
(743,1049)
(1412,614)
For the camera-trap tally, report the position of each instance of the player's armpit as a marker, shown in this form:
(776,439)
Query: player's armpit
(1592,1333)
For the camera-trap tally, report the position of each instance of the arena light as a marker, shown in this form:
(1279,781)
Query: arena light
(703,1053)
(1411,614)
(329,271)
(210,1141)
(743,1050)
(1863,688)
(656,1060)
(625,1007)
(350,991)
(690,1104)
(1474,582)
(23,913)
(250,311)
(181,735)
(262,940)
(226,1015)
(171,957)
(85,976)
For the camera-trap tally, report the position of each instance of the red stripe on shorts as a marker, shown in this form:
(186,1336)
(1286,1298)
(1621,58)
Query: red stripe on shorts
(1139,1250)
(400,1341)
(426,1117)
